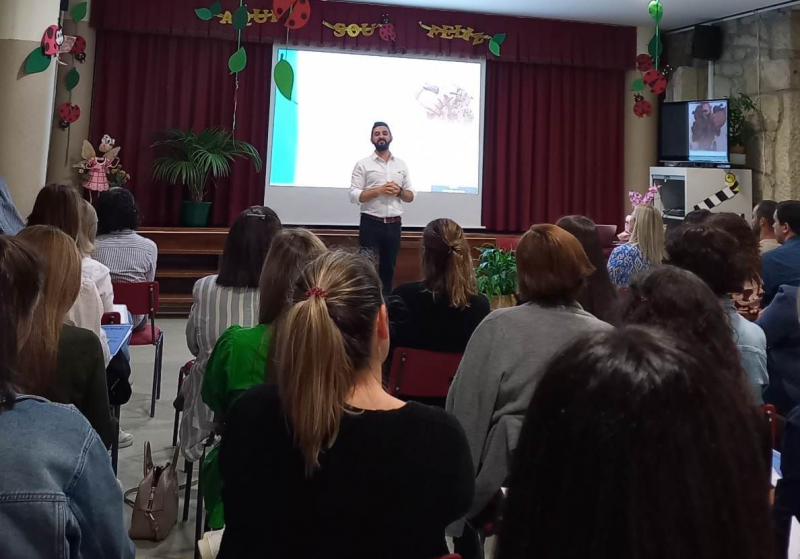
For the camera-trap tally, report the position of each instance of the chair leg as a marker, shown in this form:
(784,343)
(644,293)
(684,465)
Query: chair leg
(155,388)
(159,353)
(181,376)
(200,519)
(187,496)
(115,444)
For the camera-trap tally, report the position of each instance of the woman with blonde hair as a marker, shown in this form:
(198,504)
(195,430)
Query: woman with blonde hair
(441,312)
(91,269)
(643,251)
(239,359)
(327,453)
(61,362)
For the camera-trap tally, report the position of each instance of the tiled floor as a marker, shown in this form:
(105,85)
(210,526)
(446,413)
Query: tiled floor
(136,420)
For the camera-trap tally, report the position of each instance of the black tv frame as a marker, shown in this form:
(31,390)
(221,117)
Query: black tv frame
(686,161)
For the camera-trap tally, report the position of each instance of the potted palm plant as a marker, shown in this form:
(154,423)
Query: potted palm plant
(739,108)
(195,160)
(497,276)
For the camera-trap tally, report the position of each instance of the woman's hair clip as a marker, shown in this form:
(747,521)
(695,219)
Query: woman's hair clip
(316,291)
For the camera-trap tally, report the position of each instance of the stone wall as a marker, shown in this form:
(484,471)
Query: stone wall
(761,57)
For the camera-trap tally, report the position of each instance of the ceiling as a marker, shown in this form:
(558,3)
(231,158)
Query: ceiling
(677,13)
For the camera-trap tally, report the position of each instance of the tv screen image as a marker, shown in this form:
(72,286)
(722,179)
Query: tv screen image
(708,131)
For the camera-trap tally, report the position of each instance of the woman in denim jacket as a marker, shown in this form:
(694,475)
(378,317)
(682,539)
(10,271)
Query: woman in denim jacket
(58,496)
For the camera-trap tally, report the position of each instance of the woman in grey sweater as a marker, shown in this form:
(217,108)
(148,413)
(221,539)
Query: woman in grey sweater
(508,352)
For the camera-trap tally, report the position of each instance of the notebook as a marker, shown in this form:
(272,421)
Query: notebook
(118,335)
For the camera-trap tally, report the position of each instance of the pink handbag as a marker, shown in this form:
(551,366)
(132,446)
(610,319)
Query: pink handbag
(155,510)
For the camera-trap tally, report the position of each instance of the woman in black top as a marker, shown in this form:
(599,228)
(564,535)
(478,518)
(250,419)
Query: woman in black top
(441,312)
(327,464)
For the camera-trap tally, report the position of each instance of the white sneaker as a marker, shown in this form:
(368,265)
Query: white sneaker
(125,439)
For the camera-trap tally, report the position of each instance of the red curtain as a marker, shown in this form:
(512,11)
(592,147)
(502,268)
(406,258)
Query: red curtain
(146,83)
(553,145)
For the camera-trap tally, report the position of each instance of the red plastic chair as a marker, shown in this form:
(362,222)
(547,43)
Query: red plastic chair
(416,373)
(142,298)
(111,318)
(507,243)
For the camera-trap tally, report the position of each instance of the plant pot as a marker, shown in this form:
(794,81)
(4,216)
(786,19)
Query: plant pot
(737,149)
(502,302)
(195,214)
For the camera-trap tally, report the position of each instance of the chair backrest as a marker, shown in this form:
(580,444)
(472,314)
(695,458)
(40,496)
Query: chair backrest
(607,234)
(507,243)
(111,318)
(417,373)
(140,298)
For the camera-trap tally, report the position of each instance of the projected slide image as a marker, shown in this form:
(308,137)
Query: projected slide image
(432,107)
(708,130)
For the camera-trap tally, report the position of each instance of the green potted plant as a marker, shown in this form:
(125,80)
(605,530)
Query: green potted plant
(739,108)
(195,159)
(497,276)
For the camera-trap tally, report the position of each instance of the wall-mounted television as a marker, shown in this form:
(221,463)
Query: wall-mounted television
(695,132)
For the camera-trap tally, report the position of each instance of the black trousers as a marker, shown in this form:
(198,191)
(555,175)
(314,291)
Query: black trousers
(383,241)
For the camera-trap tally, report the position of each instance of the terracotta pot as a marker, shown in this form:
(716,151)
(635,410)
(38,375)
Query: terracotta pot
(737,149)
(502,302)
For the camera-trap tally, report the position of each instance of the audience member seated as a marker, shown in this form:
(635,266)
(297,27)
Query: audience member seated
(508,351)
(747,301)
(780,325)
(129,257)
(599,298)
(645,249)
(636,445)
(58,205)
(222,300)
(441,312)
(326,463)
(696,217)
(10,220)
(239,359)
(681,303)
(92,269)
(781,266)
(714,255)
(764,225)
(60,362)
(57,491)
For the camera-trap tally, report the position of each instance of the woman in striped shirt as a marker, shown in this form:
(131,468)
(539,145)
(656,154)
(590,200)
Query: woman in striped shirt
(220,301)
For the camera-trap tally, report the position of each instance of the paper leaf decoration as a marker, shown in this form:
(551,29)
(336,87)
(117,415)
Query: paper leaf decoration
(240,17)
(499,38)
(79,12)
(637,85)
(37,61)
(215,8)
(204,13)
(656,47)
(237,61)
(494,48)
(284,78)
(656,11)
(72,79)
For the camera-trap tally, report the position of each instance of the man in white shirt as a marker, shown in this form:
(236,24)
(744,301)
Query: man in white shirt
(380,184)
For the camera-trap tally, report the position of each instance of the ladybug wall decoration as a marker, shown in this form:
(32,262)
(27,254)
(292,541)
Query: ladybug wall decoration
(299,12)
(68,113)
(52,40)
(387,31)
(641,107)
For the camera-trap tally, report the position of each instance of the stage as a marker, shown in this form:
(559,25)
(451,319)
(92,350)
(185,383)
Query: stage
(188,254)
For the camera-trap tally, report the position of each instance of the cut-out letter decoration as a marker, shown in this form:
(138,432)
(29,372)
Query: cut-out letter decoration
(468,34)
(299,12)
(284,78)
(352,30)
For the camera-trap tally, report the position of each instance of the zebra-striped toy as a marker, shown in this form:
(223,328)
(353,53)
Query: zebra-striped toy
(731,189)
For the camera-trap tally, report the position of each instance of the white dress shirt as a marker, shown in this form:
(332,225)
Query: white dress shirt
(87,312)
(98,274)
(373,171)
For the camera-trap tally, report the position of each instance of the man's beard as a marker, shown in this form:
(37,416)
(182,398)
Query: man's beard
(382,145)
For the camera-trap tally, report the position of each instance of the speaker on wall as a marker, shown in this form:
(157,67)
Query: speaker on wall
(707,42)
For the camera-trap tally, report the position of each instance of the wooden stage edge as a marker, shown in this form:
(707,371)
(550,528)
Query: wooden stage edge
(187,254)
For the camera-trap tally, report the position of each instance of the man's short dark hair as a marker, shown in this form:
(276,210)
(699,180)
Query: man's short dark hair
(380,123)
(766,209)
(711,253)
(789,213)
(116,211)
(696,217)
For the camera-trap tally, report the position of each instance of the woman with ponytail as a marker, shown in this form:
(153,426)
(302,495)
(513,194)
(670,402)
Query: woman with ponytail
(326,463)
(441,312)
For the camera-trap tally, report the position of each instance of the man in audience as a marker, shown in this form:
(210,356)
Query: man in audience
(129,257)
(763,225)
(781,266)
(714,256)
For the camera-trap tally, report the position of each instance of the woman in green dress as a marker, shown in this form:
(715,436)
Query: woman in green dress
(239,359)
